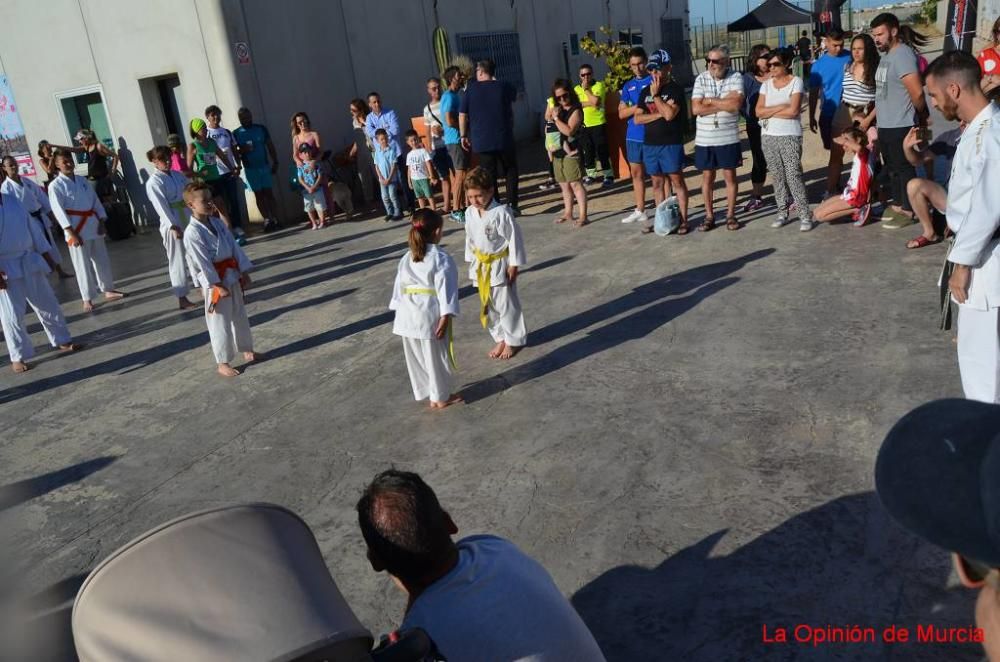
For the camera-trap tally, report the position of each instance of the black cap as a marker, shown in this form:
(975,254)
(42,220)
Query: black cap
(938,474)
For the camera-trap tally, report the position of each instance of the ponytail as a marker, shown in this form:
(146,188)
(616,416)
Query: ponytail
(159,153)
(912,38)
(426,222)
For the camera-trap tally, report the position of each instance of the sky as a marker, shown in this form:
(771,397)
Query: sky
(730,10)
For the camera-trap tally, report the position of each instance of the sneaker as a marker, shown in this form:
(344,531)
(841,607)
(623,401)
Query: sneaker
(397,217)
(862,215)
(241,240)
(780,222)
(806,224)
(588,180)
(457,216)
(636,215)
(548,185)
(753,205)
(608,182)
(898,221)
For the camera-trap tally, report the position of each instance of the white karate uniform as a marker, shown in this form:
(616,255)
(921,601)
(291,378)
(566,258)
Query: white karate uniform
(165,191)
(90,259)
(205,243)
(22,243)
(35,201)
(417,315)
(974,216)
(492,232)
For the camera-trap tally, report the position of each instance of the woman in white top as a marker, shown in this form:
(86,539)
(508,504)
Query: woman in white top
(779,110)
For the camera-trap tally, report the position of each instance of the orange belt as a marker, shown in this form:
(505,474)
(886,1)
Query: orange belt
(84,215)
(221,267)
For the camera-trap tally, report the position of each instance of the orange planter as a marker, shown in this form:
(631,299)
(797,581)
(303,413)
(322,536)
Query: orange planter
(615,134)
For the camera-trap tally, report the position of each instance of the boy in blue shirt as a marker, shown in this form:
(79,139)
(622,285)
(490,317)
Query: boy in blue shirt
(827,75)
(635,133)
(386,156)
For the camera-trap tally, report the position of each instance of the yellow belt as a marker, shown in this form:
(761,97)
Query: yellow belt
(484,262)
(413,289)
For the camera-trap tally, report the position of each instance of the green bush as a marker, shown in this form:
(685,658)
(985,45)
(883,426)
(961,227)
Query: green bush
(614,54)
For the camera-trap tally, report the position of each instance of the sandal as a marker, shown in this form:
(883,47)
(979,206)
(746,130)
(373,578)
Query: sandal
(732,224)
(560,219)
(683,228)
(580,222)
(647,230)
(707,224)
(921,241)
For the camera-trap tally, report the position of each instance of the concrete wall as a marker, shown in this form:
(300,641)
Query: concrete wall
(311,55)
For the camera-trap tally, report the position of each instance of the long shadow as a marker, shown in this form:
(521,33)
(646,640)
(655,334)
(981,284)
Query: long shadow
(319,266)
(17,493)
(269,315)
(254,295)
(284,256)
(631,327)
(842,563)
(645,294)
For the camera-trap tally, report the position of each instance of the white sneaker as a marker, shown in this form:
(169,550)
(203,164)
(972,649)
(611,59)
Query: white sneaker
(806,224)
(637,215)
(779,222)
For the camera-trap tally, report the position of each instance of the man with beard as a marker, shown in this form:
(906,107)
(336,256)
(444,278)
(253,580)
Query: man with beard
(973,214)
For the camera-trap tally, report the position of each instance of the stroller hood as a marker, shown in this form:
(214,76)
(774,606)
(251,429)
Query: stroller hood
(235,583)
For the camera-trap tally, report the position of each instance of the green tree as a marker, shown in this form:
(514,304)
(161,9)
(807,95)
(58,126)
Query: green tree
(614,54)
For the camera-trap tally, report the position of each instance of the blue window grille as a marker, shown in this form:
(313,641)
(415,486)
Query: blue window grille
(504,48)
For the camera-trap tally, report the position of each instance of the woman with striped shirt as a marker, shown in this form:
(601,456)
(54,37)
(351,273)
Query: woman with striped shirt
(857,107)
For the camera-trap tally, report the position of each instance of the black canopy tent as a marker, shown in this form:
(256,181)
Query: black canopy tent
(772,14)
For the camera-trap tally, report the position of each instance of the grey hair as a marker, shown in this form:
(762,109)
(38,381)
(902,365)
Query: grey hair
(722,49)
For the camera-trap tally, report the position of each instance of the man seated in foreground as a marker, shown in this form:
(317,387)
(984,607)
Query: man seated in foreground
(938,475)
(480,598)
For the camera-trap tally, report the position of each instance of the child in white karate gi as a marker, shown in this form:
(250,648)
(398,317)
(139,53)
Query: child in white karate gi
(494,249)
(36,202)
(22,281)
(165,190)
(425,298)
(220,267)
(81,216)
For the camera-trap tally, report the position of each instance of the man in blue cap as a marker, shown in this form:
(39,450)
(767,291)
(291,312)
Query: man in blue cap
(663,113)
(938,475)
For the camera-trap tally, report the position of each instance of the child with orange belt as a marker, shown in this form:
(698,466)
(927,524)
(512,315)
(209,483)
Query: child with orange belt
(81,216)
(220,267)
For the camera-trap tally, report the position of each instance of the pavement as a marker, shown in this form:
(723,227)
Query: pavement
(687,443)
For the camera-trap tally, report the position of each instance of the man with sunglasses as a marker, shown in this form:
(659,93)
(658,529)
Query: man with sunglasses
(716,101)
(938,475)
(635,134)
(592,136)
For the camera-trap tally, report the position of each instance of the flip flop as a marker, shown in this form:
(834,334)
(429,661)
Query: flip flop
(921,241)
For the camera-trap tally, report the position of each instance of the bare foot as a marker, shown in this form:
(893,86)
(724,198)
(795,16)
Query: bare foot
(509,352)
(184,303)
(580,222)
(70,347)
(454,399)
(252,356)
(562,219)
(88,306)
(21,366)
(113,295)
(227,370)
(497,350)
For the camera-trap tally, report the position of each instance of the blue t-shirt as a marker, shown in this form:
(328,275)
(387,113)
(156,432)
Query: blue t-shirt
(491,117)
(630,97)
(451,102)
(309,173)
(828,72)
(258,135)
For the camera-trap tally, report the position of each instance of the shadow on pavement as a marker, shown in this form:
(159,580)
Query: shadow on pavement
(25,490)
(843,563)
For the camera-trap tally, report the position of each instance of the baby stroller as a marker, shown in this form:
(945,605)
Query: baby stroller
(234,583)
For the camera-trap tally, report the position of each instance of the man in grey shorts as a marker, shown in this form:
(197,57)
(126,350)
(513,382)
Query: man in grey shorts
(460,157)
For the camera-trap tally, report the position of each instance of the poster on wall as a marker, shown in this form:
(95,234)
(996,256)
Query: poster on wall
(960,28)
(13,142)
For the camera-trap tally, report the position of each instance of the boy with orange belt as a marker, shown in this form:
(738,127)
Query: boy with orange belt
(220,267)
(81,216)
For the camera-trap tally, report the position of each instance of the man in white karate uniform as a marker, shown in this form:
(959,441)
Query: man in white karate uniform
(22,281)
(494,249)
(220,267)
(81,216)
(973,214)
(36,202)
